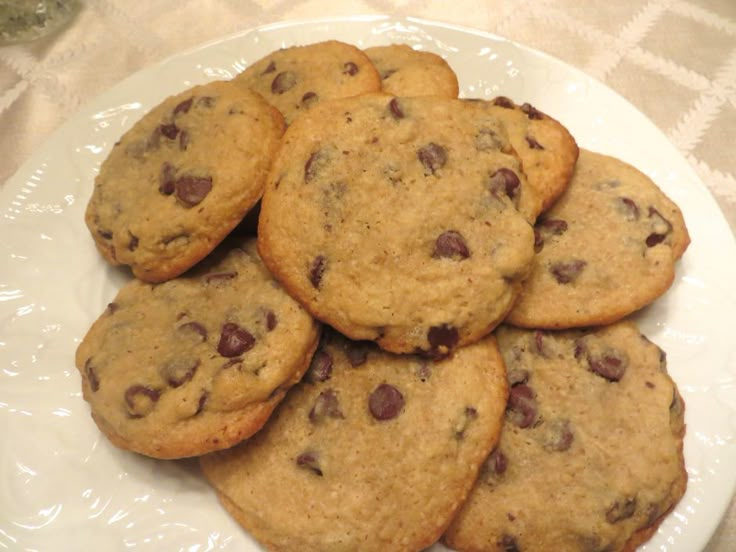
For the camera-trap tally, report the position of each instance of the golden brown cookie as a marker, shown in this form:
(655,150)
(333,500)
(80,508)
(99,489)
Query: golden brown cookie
(182,178)
(398,220)
(607,248)
(405,71)
(590,456)
(197,363)
(296,79)
(371,452)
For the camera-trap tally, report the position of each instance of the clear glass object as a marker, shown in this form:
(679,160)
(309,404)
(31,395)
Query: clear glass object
(26,20)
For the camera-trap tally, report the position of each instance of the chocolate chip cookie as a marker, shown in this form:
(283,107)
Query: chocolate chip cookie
(399,220)
(405,71)
(197,363)
(547,150)
(296,79)
(590,456)
(371,451)
(607,248)
(182,178)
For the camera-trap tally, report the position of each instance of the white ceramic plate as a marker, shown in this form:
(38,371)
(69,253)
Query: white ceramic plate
(63,486)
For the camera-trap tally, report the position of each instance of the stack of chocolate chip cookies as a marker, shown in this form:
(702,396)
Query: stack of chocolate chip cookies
(428,338)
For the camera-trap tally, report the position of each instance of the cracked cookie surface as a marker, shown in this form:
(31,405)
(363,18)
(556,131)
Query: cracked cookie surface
(590,456)
(197,363)
(182,178)
(371,451)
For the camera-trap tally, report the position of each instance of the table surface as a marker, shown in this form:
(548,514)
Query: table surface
(675,60)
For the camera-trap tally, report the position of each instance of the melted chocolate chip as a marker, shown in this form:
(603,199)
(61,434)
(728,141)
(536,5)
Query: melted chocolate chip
(309,99)
(316,162)
(628,208)
(394,107)
(140,400)
(178,371)
(539,348)
(507,543)
(317,270)
(662,227)
(504,182)
(183,107)
(270,69)
(105,234)
(566,272)
(320,369)
(326,405)
(350,69)
(133,243)
(611,364)
(531,111)
(191,190)
(469,415)
(202,402)
(357,352)
(89,370)
(522,406)
(310,461)
(170,130)
(621,510)
(503,101)
(497,462)
(432,156)
(234,340)
(442,338)
(271,320)
(283,82)
(532,143)
(451,245)
(385,402)
(516,376)
(166,179)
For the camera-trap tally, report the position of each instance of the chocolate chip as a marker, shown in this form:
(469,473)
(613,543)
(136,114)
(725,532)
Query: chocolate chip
(621,510)
(531,111)
(522,406)
(183,140)
(486,139)
(89,370)
(316,162)
(140,400)
(532,143)
(283,82)
(170,130)
(504,182)
(179,371)
(610,364)
(309,99)
(206,101)
(497,463)
(539,348)
(350,69)
(558,435)
(219,278)
(317,270)
(133,243)
(112,307)
(191,190)
(662,227)
(552,227)
(357,352)
(394,108)
(442,338)
(385,402)
(320,369)
(193,331)
(202,402)
(270,69)
(451,245)
(507,543)
(469,415)
(166,179)
(105,234)
(183,107)
(628,208)
(326,405)
(566,272)
(271,320)
(234,340)
(432,156)
(503,101)
(310,461)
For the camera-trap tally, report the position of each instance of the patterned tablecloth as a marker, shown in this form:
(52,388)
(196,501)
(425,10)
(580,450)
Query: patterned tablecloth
(673,59)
